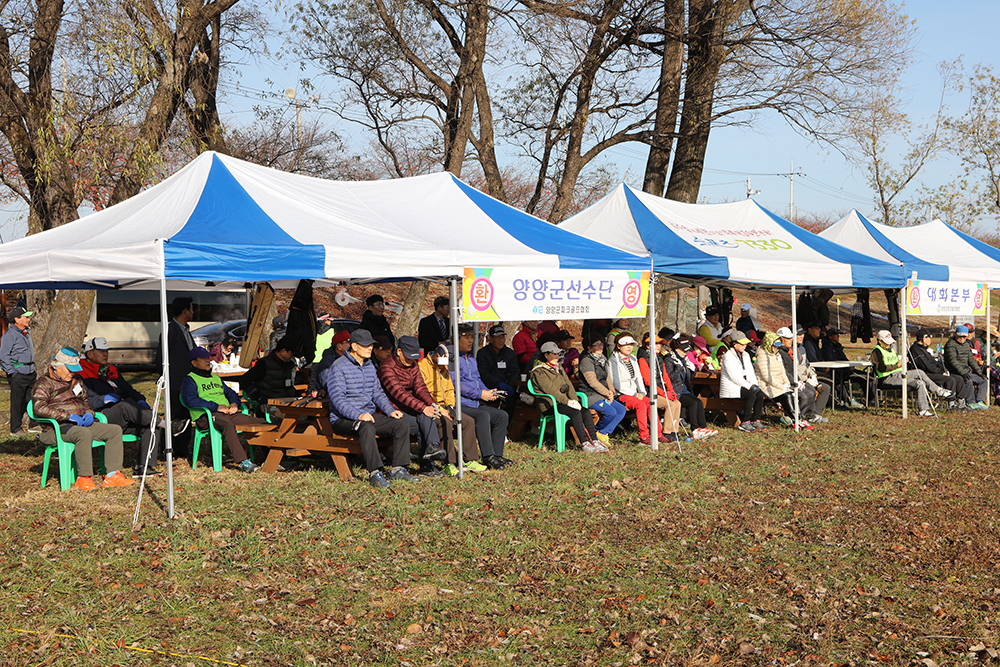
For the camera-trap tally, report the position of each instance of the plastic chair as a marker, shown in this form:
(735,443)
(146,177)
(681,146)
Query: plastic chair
(126,437)
(560,419)
(63,450)
(214,437)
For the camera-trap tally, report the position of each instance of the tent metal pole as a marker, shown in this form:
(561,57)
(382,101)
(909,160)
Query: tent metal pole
(165,369)
(795,359)
(456,312)
(654,414)
(988,352)
(902,344)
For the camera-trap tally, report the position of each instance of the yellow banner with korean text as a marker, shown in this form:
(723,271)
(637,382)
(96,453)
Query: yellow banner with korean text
(497,294)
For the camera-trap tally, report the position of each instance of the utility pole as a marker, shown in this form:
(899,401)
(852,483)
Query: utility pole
(750,191)
(299,105)
(791,188)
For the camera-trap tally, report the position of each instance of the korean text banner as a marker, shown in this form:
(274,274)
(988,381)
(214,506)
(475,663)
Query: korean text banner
(931,297)
(552,294)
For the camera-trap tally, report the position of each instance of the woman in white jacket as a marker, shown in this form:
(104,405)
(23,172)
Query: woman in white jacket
(629,390)
(738,380)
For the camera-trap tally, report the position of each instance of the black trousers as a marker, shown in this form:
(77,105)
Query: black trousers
(134,420)
(753,405)
(955,383)
(425,428)
(491,428)
(692,410)
(366,433)
(581,421)
(20,393)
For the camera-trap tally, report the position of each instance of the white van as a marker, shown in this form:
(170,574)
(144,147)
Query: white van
(130,319)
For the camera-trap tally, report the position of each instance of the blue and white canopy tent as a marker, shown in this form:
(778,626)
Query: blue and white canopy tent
(220,222)
(739,244)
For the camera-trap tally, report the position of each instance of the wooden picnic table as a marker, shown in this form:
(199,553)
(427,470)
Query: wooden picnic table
(706,389)
(305,429)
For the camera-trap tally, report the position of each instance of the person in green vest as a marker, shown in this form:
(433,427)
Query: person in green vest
(889,370)
(324,336)
(203,389)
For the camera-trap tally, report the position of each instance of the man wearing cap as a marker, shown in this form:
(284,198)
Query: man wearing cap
(960,360)
(436,327)
(813,395)
(569,356)
(404,386)
(120,403)
(317,378)
(203,389)
(61,396)
(272,376)
(748,322)
(375,321)
(923,358)
(711,329)
(359,407)
(381,351)
(17,359)
(498,367)
(491,423)
(889,371)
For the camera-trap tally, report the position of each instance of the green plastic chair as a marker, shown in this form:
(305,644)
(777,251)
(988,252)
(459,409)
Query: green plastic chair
(214,438)
(63,450)
(560,419)
(126,437)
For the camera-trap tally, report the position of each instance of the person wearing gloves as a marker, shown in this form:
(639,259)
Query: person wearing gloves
(112,395)
(960,360)
(549,377)
(599,390)
(203,389)
(889,373)
(61,396)
(491,423)
(813,396)
(738,380)
(629,390)
(434,369)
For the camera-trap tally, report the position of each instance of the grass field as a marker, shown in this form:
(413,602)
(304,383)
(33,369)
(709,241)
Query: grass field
(868,541)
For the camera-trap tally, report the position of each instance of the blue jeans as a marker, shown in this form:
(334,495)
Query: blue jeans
(611,412)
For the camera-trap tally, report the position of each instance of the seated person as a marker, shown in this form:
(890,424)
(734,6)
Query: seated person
(725,342)
(680,370)
(923,358)
(434,370)
(498,367)
(381,351)
(359,407)
(405,389)
(738,380)
(271,377)
(60,395)
(317,381)
(222,351)
(600,391)
(811,343)
(960,360)
(813,396)
(203,389)
(375,321)
(771,376)
(833,350)
(889,370)
(748,322)
(491,423)
(524,343)
(666,397)
(703,356)
(619,327)
(549,377)
(710,328)
(629,390)
(569,356)
(121,404)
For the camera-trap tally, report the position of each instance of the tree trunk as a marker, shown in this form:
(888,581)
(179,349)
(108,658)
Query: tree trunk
(667,98)
(409,316)
(486,143)
(203,117)
(60,321)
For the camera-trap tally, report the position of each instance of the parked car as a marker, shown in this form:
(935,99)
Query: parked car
(214,333)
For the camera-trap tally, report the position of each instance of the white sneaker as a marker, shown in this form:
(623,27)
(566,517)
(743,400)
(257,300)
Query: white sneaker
(926,413)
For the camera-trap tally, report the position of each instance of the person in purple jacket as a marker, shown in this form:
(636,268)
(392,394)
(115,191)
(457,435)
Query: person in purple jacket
(491,423)
(359,407)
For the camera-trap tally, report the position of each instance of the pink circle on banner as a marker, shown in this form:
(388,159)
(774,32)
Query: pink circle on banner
(979,299)
(481,294)
(632,293)
(915,298)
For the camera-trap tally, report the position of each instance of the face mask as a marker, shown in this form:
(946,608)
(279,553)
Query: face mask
(442,361)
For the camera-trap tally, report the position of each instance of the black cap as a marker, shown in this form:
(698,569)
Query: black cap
(497,330)
(685,345)
(362,337)
(711,310)
(833,331)
(21,311)
(565,335)
(410,347)
(799,330)
(373,299)
(924,332)
(383,342)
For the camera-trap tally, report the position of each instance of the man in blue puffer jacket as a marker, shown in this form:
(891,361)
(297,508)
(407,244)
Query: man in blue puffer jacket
(359,407)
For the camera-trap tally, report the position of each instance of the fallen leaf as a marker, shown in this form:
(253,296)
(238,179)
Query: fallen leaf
(307,602)
(414,629)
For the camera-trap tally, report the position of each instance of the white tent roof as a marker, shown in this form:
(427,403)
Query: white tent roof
(222,220)
(934,250)
(740,243)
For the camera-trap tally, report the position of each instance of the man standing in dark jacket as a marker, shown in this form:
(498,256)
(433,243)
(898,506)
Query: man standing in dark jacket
(359,407)
(498,368)
(960,360)
(17,358)
(436,327)
(922,358)
(179,346)
(374,319)
(405,388)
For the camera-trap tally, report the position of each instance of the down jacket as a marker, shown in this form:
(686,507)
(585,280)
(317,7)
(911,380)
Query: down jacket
(354,389)
(404,385)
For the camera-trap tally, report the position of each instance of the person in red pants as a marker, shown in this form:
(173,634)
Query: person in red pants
(629,390)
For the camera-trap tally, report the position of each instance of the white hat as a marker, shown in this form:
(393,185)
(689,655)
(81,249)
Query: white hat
(728,332)
(98,343)
(784,332)
(626,340)
(886,337)
(549,347)
(745,306)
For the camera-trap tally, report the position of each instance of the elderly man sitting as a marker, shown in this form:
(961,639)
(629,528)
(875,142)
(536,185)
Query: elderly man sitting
(924,359)
(960,360)
(121,404)
(889,371)
(60,395)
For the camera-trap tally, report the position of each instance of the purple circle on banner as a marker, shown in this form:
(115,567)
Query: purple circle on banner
(632,293)
(481,294)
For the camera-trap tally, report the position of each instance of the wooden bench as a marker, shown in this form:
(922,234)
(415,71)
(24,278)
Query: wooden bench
(706,389)
(305,429)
